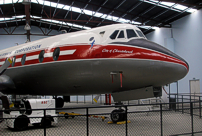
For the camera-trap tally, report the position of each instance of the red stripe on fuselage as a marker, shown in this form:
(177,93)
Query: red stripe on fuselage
(102,51)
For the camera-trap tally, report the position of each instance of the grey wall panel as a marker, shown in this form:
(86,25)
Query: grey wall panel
(187,35)
(7,41)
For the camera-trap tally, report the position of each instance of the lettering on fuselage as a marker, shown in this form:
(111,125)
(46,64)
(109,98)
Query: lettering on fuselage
(22,50)
(117,51)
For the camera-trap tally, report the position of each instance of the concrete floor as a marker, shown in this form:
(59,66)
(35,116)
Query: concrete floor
(141,123)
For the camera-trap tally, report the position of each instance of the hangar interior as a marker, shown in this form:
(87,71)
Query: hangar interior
(174,24)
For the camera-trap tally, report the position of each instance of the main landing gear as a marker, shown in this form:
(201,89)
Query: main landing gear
(118,115)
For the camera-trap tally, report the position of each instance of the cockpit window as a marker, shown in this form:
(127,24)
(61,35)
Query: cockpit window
(121,34)
(140,34)
(114,34)
(131,33)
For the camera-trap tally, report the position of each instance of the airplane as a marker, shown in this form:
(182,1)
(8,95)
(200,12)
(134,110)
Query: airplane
(115,59)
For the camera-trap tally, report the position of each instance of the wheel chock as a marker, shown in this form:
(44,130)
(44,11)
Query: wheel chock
(110,122)
(123,122)
(72,115)
(119,123)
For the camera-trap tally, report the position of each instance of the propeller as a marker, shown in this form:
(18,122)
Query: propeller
(96,98)
(5,65)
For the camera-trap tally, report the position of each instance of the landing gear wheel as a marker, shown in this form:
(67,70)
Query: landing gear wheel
(66,115)
(46,122)
(117,115)
(36,124)
(59,102)
(16,104)
(21,123)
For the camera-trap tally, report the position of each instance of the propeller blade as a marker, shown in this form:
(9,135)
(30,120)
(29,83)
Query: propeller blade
(5,65)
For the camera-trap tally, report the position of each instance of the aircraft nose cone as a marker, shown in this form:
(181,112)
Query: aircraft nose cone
(175,65)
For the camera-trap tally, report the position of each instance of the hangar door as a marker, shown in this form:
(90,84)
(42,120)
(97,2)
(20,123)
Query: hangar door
(194,86)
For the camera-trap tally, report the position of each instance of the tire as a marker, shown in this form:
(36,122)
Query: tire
(21,123)
(59,102)
(66,116)
(117,115)
(36,124)
(47,122)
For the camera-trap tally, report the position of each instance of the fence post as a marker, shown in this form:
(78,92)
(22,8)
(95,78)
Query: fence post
(44,123)
(182,105)
(92,98)
(192,122)
(161,119)
(100,99)
(200,105)
(190,98)
(87,129)
(175,103)
(126,116)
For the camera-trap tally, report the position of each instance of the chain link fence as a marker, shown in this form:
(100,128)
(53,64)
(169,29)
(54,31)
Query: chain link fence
(148,119)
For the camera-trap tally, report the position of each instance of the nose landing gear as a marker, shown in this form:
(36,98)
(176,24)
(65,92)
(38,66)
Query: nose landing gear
(118,115)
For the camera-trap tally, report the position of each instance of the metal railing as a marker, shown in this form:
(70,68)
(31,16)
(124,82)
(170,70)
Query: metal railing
(175,118)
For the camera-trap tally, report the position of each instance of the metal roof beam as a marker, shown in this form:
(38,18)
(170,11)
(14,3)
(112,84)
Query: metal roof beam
(4,17)
(41,12)
(162,23)
(134,7)
(27,13)
(66,14)
(42,7)
(112,11)
(187,4)
(14,12)
(175,15)
(80,13)
(144,12)
(95,12)
(54,12)
(166,10)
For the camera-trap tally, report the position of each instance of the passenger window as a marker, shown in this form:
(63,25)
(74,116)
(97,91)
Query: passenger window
(121,34)
(41,56)
(114,34)
(140,34)
(23,59)
(56,53)
(131,33)
(13,61)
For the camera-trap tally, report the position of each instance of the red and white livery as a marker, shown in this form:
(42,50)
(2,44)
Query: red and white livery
(116,59)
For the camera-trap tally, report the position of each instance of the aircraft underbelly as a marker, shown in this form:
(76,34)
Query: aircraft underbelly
(92,76)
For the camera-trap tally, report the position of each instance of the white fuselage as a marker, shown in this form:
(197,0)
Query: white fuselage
(82,63)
